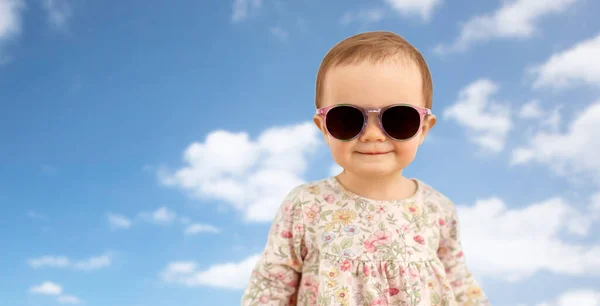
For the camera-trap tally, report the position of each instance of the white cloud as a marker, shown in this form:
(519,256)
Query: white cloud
(10,18)
(514,244)
(197,228)
(59,12)
(54,289)
(251,176)
(243,8)
(423,8)
(226,275)
(92,263)
(364,16)
(579,297)
(487,122)
(161,216)
(571,152)
(118,221)
(68,299)
(569,67)
(514,19)
(279,33)
(531,110)
(47,288)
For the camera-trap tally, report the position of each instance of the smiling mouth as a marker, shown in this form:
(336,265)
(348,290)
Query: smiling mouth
(374,153)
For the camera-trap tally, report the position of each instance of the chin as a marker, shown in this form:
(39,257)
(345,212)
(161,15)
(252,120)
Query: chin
(374,170)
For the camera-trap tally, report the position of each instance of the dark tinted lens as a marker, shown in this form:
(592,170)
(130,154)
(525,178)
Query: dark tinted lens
(401,122)
(344,122)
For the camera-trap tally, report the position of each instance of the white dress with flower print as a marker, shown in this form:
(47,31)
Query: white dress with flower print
(328,246)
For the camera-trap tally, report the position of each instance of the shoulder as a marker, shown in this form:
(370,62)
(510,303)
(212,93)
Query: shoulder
(306,191)
(315,187)
(432,195)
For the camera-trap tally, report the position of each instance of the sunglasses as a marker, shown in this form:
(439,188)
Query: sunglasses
(400,122)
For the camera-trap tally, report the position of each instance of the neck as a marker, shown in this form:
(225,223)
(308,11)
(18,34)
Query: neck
(390,187)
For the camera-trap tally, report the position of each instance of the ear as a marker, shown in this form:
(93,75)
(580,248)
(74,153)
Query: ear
(428,123)
(318,120)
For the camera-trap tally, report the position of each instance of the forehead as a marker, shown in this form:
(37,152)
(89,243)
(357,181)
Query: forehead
(370,84)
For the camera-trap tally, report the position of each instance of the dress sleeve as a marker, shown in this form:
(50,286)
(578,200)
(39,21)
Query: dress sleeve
(466,289)
(275,277)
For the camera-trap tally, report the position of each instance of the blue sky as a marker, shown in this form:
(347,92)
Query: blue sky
(145,145)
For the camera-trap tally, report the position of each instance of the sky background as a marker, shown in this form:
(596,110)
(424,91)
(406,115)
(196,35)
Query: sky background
(145,145)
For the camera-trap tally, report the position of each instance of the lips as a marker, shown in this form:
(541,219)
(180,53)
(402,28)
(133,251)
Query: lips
(374,153)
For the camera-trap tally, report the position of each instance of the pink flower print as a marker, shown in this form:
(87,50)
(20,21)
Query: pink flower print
(329,198)
(381,237)
(264,299)
(413,273)
(369,246)
(366,270)
(345,265)
(404,228)
(300,227)
(286,234)
(280,275)
(327,237)
(441,222)
(311,213)
(288,208)
(460,254)
(381,209)
(380,301)
(419,239)
(392,291)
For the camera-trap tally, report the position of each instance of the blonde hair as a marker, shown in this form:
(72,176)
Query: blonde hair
(377,47)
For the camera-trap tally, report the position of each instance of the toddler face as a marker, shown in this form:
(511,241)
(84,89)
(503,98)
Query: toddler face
(369,85)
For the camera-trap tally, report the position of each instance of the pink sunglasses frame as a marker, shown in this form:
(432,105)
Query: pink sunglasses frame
(423,111)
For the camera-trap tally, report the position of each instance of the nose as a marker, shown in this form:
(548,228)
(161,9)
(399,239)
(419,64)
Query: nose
(372,131)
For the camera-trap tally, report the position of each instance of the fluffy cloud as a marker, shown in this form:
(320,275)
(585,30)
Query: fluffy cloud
(243,8)
(423,8)
(90,264)
(364,16)
(10,18)
(59,12)
(161,216)
(531,110)
(251,176)
(198,228)
(46,288)
(514,19)
(514,244)
(569,67)
(54,289)
(487,122)
(581,297)
(569,152)
(225,275)
(118,221)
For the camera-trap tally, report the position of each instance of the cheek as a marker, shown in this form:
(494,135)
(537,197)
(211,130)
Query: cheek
(340,149)
(407,148)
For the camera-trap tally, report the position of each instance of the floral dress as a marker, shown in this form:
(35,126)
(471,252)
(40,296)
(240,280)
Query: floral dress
(328,246)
